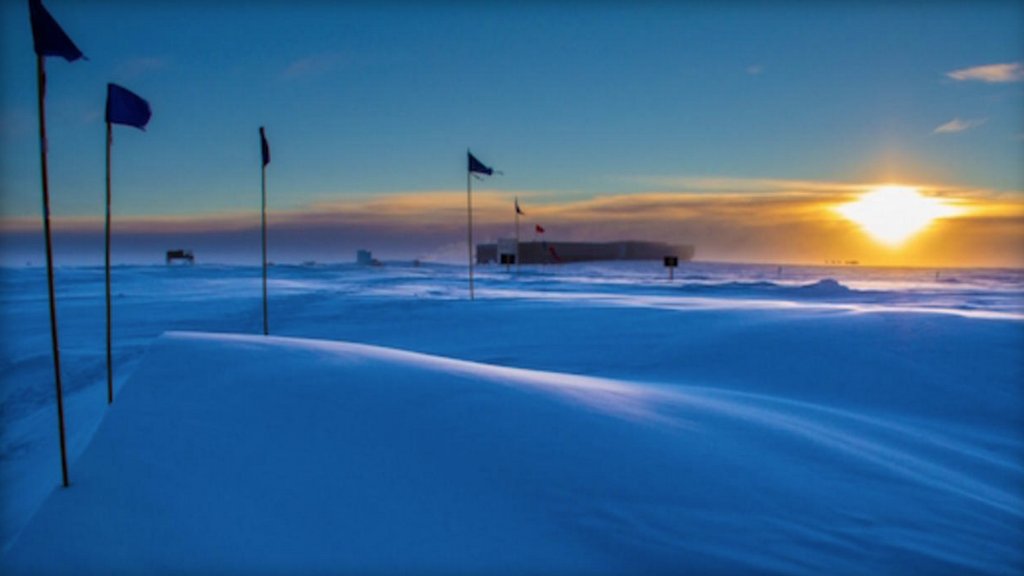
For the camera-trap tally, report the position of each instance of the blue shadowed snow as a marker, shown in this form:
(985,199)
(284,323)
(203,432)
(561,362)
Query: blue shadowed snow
(840,420)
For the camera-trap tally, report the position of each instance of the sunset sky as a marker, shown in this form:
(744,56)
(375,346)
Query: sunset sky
(739,127)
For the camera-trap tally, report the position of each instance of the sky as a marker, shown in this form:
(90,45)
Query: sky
(738,127)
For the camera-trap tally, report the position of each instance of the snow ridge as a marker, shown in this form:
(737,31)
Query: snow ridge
(243,454)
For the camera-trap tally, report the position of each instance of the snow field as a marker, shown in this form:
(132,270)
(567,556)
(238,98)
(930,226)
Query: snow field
(577,419)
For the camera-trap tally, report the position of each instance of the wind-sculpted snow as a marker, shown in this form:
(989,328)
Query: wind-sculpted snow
(764,392)
(237,454)
(824,288)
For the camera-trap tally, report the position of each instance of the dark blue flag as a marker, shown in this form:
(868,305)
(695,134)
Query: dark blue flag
(518,209)
(47,36)
(126,107)
(264,147)
(478,166)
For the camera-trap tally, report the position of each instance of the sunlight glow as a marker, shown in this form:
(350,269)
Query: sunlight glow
(892,214)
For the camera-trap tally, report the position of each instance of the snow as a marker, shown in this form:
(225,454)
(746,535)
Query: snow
(573,419)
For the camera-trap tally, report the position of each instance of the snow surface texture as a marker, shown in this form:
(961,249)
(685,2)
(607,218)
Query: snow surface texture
(607,422)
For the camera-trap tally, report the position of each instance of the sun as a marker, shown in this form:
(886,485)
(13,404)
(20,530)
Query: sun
(892,214)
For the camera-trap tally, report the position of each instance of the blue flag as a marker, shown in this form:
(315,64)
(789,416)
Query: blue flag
(264,147)
(47,36)
(126,107)
(478,166)
(518,209)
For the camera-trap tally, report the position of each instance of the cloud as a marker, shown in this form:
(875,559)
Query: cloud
(733,201)
(767,220)
(313,65)
(957,125)
(733,185)
(755,70)
(990,73)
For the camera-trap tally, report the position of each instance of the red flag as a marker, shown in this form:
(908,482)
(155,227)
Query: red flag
(540,229)
(554,254)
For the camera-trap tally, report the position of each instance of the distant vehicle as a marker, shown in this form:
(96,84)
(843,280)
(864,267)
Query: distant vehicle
(182,255)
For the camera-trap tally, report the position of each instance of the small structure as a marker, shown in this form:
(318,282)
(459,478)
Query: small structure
(671,262)
(182,255)
(365,257)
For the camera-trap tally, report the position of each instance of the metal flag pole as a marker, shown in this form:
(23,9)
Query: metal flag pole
(41,80)
(469,211)
(266,329)
(518,256)
(263,187)
(110,355)
(123,107)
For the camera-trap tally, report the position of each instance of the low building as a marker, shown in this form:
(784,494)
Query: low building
(554,252)
(180,255)
(365,257)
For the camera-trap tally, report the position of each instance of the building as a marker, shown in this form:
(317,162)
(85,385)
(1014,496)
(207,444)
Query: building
(180,255)
(365,257)
(554,252)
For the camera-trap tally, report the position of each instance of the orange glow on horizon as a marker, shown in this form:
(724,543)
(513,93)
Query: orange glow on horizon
(893,214)
(747,222)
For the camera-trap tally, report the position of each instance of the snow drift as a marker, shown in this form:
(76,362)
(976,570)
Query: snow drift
(246,455)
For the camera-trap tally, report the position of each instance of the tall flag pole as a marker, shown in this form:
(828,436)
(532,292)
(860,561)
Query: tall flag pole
(475,166)
(106,263)
(265,154)
(469,228)
(127,108)
(50,40)
(518,212)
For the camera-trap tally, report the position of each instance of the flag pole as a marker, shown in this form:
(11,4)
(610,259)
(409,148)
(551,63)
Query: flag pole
(517,236)
(123,107)
(469,210)
(41,81)
(263,187)
(110,356)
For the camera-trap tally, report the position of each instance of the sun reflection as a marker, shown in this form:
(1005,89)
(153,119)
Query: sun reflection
(892,214)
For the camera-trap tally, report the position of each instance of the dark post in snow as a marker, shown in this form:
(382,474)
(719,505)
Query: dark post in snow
(41,77)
